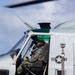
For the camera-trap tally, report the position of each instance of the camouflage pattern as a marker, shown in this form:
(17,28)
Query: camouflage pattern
(28,63)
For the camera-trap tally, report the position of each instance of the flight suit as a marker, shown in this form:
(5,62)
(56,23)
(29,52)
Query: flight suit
(28,63)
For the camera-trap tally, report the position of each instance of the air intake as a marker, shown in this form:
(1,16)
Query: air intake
(45,25)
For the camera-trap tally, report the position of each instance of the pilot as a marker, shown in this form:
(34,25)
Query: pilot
(34,56)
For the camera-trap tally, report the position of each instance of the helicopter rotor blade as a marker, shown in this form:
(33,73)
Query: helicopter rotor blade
(30,26)
(27,3)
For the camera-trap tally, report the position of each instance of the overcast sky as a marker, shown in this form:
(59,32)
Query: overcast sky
(11,27)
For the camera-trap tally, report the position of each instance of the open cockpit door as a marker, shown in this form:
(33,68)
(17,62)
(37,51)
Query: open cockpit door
(28,49)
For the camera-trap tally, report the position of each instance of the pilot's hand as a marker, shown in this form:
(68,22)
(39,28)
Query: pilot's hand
(39,58)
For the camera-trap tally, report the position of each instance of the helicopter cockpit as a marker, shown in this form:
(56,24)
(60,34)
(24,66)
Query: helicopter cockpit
(22,50)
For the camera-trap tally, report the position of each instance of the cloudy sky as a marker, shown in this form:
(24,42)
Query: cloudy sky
(12,28)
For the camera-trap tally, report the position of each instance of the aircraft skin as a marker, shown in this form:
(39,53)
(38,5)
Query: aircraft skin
(59,37)
(7,64)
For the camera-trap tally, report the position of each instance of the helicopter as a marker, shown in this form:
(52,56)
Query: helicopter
(60,43)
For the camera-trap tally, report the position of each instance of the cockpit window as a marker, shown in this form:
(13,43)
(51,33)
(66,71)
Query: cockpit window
(17,46)
(46,38)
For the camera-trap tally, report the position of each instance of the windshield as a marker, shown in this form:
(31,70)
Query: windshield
(18,45)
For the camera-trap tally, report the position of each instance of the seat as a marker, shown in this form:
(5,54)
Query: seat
(39,66)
